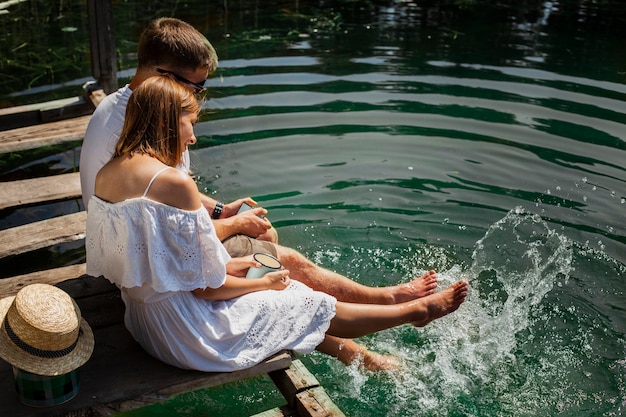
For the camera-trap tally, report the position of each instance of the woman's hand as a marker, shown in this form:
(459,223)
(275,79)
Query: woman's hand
(238,267)
(277,280)
(238,286)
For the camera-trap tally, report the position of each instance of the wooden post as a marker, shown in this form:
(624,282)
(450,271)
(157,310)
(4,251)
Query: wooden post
(303,393)
(102,39)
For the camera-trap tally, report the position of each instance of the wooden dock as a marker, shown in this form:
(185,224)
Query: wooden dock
(119,376)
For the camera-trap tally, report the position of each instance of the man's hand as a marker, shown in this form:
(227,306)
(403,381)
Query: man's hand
(247,223)
(253,222)
(233,208)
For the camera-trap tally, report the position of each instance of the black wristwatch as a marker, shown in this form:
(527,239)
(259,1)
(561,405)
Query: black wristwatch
(217,211)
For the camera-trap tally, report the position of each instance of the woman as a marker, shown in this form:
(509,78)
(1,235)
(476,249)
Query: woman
(186,301)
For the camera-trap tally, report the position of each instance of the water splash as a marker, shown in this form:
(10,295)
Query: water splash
(475,362)
(515,265)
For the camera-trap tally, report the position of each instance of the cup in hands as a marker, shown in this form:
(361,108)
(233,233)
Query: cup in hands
(268,264)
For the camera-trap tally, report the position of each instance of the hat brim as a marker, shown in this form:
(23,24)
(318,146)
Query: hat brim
(17,357)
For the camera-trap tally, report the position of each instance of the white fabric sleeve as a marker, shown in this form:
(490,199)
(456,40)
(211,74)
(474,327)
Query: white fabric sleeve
(142,242)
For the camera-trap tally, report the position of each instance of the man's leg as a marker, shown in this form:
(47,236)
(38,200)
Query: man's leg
(345,289)
(337,285)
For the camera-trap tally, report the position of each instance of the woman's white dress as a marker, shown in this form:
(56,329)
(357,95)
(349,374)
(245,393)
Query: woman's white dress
(158,254)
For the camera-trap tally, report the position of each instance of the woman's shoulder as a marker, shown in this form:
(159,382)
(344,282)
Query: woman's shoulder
(175,188)
(127,177)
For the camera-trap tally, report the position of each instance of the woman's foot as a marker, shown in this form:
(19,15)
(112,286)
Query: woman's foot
(420,287)
(442,303)
(349,352)
(373,361)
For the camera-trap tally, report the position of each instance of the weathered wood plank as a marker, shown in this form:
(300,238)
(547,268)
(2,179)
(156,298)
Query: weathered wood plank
(315,402)
(101,302)
(303,392)
(83,286)
(51,111)
(280,361)
(53,104)
(10,286)
(37,190)
(293,380)
(43,135)
(42,234)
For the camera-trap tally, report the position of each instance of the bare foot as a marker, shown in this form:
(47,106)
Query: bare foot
(420,287)
(373,361)
(348,352)
(442,303)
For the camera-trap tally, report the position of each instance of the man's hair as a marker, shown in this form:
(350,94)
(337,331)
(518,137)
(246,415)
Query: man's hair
(151,124)
(176,44)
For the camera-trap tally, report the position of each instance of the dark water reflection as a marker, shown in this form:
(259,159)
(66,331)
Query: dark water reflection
(485,144)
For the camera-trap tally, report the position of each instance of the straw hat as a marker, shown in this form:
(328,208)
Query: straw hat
(42,332)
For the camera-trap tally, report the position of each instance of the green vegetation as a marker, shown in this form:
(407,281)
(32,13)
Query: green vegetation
(47,42)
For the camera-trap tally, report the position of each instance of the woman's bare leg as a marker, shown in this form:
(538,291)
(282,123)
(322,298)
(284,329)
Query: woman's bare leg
(356,320)
(348,351)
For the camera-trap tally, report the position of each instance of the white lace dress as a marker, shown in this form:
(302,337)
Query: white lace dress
(157,254)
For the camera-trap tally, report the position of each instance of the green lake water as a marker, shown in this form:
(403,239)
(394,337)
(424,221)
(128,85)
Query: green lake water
(389,138)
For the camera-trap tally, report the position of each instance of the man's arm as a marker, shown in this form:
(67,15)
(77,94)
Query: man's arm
(230,223)
(207,202)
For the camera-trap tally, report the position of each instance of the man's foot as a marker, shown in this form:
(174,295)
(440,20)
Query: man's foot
(442,303)
(420,287)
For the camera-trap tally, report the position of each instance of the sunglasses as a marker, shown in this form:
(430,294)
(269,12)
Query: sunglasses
(197,87)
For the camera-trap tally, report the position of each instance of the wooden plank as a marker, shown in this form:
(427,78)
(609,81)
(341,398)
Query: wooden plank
(100,299)
(38,190)
(42,234)
(100,303)
(32,114)
(315,402)
(10,286)
(279,361)
(83,286)
(43,135)
(36,107)
(293,380)
(303,392)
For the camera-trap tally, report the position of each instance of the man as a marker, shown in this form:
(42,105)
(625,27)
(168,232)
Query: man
(170,47)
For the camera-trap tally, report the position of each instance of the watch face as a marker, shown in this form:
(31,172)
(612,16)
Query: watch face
(217,211)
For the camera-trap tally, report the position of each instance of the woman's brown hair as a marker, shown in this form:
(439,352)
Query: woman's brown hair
(151,124)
